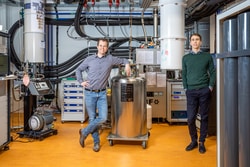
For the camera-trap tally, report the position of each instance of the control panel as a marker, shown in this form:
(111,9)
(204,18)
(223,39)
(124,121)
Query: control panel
(43,87)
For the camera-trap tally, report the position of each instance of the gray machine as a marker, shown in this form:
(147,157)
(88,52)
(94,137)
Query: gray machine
(4,116)
(156,97)
(176,102)
(38,118)
(156,90)
(149,68)
(5,137)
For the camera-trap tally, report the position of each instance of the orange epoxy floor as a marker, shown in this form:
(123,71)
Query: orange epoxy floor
(165,148)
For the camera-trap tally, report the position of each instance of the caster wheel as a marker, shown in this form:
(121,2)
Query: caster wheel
(6,148)
(144,144)
(111,142)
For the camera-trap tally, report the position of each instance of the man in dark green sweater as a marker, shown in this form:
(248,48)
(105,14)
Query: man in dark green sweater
(198,77)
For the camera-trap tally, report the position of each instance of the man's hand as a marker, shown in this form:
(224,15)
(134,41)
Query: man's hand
(85,84)
(26,79)
(211,88)
(127,69)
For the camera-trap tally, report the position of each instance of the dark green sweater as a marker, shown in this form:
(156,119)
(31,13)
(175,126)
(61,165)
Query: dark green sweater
(198,70)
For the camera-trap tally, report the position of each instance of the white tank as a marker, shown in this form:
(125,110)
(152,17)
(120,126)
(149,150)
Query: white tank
(172,36)
(34,42)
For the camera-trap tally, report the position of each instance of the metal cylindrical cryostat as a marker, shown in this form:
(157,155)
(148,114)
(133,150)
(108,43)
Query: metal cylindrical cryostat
(34,23)
(172,33)
(128,107)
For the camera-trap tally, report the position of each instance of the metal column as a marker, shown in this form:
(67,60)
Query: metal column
(244,89)
(243,109)
(242,54)
(231,158)
(231,112)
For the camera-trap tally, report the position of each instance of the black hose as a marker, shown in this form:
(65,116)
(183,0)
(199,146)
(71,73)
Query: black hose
(13,56)
(3,34)
(78,18)
(75,58)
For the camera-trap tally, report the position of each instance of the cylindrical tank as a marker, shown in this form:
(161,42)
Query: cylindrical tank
(34,23)
(172,33)
(128,106)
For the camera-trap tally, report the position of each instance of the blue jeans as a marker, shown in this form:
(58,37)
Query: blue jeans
(198,101)
(97,109)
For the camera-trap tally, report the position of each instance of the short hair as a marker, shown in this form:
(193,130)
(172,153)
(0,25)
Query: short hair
(196,34)
(103,39)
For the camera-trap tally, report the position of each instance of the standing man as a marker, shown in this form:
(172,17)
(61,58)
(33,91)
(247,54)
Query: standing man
(98,68)
(198,77)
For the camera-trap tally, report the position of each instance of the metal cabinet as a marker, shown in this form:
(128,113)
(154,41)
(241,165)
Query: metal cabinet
(176,102)
(156,97)
(4,116)
(73,105)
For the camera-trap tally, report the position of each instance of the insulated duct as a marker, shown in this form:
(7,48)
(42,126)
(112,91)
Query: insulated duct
(172,33)
(34,42)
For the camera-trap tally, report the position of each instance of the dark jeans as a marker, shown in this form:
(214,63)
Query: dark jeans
(198,101)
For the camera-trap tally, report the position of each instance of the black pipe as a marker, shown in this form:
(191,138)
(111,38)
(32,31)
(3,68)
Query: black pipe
(3,34)
(13,56)
(78,18)
(79,56)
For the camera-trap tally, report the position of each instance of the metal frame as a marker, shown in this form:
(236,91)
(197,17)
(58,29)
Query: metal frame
(219,70)
(5,146)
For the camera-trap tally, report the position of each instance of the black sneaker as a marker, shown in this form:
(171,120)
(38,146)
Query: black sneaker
(82,138)
(202,148)
(96,147)
(191,146)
